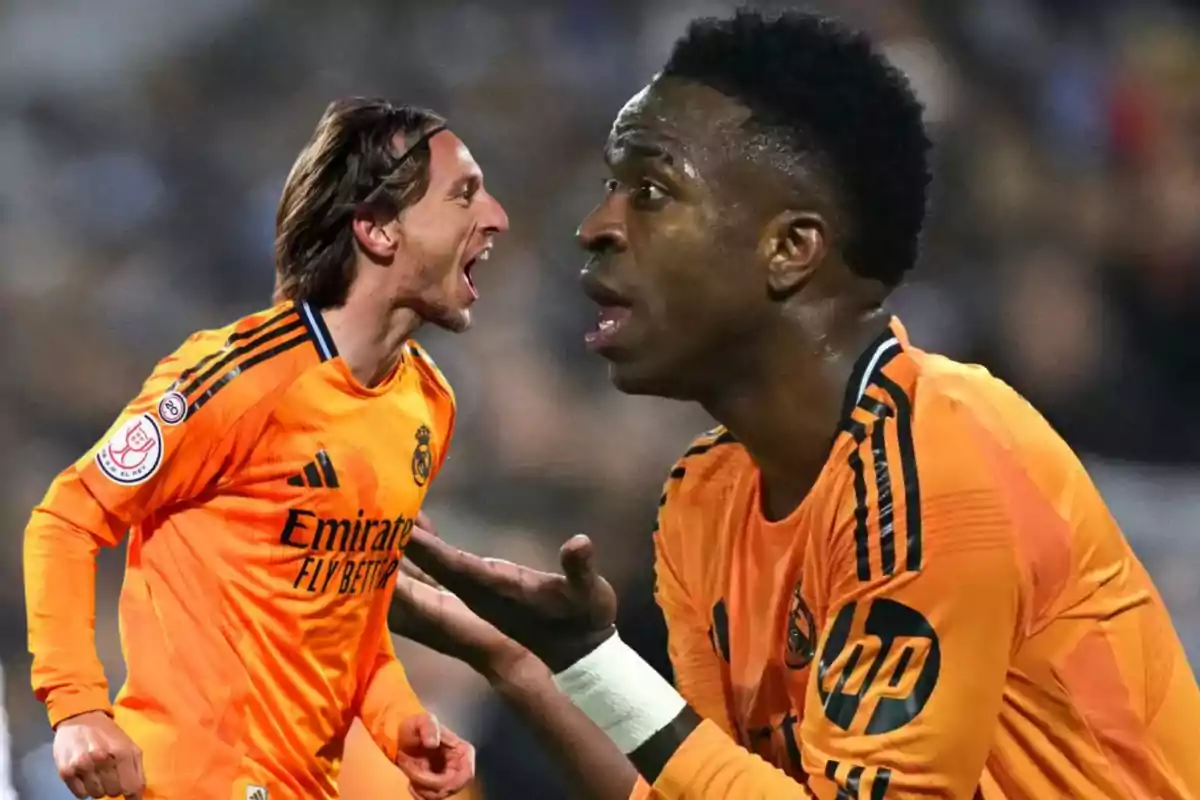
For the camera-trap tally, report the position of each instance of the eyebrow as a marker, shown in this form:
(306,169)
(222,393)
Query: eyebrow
(640,148)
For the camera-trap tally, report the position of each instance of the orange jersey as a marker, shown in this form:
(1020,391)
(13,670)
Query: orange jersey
(951,612)
(269,497)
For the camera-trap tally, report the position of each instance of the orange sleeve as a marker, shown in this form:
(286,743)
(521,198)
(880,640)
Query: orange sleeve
(925,612)
(695,663)
(387,698)
(711,766)
(61,543)
(155,454)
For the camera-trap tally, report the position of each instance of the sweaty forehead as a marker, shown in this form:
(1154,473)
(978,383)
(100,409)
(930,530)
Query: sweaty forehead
(688,119)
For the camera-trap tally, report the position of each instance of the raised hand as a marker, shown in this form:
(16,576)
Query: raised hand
(559,617)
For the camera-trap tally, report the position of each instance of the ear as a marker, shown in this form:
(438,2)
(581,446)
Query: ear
(376,233)
(794,244)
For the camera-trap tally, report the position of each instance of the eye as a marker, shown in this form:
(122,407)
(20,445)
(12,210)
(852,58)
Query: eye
(646,194)
(467,193)
(649,193)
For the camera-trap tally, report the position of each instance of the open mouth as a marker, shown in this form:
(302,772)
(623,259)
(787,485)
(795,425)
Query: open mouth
(610,321)
(468,269)
(613,317)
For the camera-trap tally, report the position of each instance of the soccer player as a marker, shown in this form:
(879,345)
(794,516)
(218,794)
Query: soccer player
(884,575)
(269,473)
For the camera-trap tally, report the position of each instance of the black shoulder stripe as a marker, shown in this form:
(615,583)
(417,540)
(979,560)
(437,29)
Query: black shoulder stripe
(883,480)
(234,338)
(862,541)
(678,472)
(883,493)
(725,438)
(229,356)
(874,407)
(870,364)
(908,467)
(259,357)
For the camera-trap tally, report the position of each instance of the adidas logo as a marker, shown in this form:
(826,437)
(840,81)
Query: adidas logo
(318,473)
(256,793)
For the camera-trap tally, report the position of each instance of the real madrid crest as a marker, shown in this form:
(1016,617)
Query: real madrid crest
(422,459)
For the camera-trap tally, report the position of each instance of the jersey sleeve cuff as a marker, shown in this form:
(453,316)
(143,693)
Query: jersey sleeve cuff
(71,701)
(679,774)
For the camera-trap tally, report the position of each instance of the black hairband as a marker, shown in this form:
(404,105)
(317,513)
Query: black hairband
(424,137)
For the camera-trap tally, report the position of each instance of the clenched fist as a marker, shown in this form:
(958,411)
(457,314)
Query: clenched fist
(96,759)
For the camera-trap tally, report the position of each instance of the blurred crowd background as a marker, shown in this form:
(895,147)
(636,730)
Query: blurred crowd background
(144,143)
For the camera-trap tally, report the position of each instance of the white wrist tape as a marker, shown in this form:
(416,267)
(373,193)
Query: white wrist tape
(621,693)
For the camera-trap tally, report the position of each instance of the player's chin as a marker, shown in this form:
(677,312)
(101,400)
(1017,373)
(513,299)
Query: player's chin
(453,318)
(642,376)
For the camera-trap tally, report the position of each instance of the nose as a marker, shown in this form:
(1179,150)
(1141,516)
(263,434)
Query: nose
(495,218)
(603,230)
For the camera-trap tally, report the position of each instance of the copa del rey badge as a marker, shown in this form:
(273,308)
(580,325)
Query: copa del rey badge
(134,452)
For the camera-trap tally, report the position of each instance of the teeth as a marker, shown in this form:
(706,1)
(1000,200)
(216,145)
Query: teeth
(484,255)
(607,325)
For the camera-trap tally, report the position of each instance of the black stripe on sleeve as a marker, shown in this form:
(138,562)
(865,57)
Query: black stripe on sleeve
(867,362)
(861,534)
(234,338)
(236,353)
(883,491)
(725,438)
(908,468)
(874,407)
(224,380)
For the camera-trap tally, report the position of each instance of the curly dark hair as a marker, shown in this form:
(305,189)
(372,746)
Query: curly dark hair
(351,162)
(826,95)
